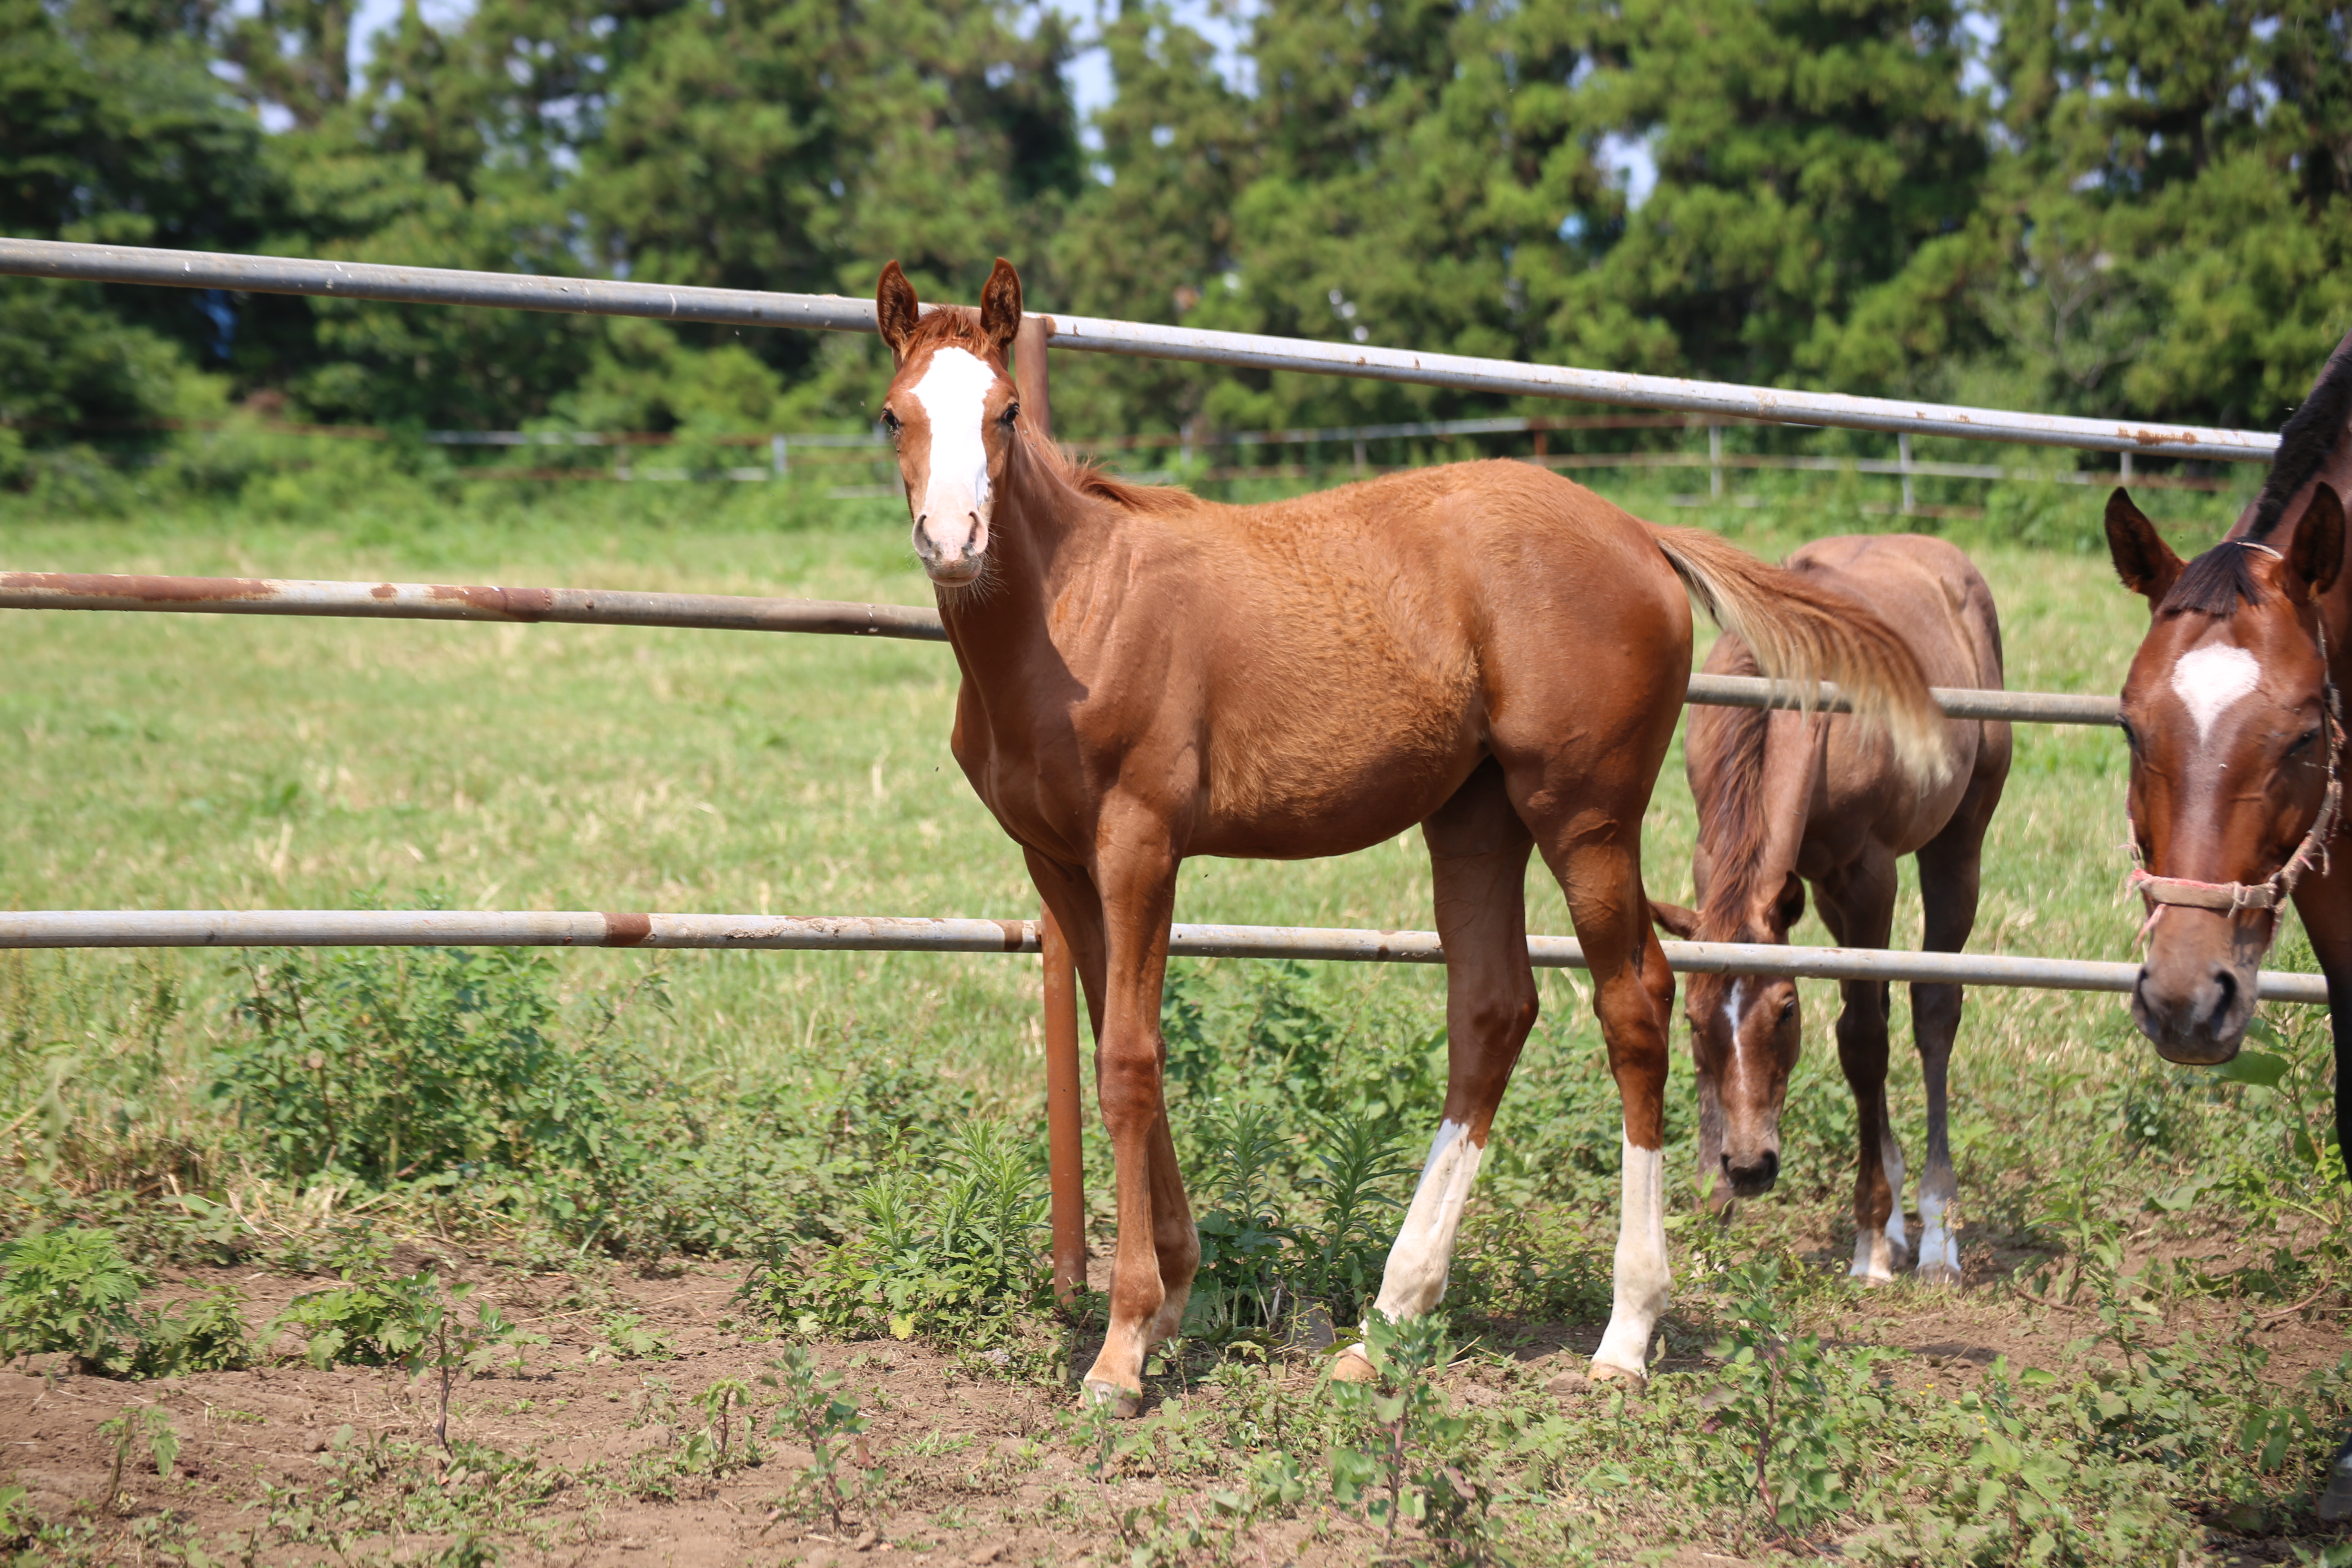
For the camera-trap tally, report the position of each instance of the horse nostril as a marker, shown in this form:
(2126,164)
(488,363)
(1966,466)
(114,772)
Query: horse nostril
(2225,993)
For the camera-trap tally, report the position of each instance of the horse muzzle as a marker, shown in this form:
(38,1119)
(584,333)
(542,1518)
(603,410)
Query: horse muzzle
(1751,1175)
(2197,1019)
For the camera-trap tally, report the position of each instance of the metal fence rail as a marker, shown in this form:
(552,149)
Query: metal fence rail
(787,933)
(831,312)
(724,612)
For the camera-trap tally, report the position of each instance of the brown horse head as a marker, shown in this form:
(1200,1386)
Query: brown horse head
(2227,709)
(1746,1034)
(952,412)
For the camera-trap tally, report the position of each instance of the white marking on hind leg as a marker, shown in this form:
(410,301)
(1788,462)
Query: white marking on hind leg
(1414,1280)
(1643,1274)
(1939,1249)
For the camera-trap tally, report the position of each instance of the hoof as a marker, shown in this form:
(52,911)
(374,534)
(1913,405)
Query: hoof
(1124,1403)
(1943,1275)
(1634,1380)
(1871,1279)
(1352,1365)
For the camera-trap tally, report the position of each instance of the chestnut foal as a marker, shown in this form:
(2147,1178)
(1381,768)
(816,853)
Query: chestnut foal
(1787,799)
(1485,650)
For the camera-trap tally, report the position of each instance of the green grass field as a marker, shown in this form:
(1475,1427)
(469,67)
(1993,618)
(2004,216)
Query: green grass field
(184,761)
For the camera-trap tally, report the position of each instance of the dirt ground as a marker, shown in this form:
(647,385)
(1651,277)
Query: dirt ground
(981,1471)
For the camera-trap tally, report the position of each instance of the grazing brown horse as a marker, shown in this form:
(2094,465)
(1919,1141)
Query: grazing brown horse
(2231,712)
(1789,798)
(1484,649)
(2232,709)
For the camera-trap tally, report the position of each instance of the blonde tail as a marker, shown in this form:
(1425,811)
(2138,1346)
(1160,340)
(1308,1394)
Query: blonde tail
(1802,634)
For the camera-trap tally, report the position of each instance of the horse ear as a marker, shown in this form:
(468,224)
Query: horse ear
(2143,560)
(1792,902)
(1675,920)
(896,309)
(2317,553)
(999,306)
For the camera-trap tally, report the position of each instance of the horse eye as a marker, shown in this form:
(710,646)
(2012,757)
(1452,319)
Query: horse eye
(1011,414)
(889,422)
(2131,738)
(2303,742)
(1787,1009)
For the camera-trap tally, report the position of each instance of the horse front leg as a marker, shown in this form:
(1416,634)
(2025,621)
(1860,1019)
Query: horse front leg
(1158,1251)
(1478,866)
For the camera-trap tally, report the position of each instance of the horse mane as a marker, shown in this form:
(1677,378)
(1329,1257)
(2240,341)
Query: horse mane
(2222,579)
(958,326)
(2306,441)
(1089,480)
(1732,817)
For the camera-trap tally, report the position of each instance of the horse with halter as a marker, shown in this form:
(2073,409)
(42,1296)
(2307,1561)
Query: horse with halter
(2233,710)
(1790,798)
(1485,650)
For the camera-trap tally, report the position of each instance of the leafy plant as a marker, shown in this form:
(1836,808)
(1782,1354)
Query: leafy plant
(626,1336)
(957,1249)
(814,1413)
(1795,1417)
(1401,1462)
(207,1333)
(412,1321)
(149,1425)
(390,1063)
(65,1289)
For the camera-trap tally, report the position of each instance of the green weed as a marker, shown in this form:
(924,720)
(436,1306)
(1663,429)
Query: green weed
(68,1290)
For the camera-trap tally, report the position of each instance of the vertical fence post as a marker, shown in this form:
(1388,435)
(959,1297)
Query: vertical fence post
(1065,1146)
(778,459)
(1715,460)
(1903,456)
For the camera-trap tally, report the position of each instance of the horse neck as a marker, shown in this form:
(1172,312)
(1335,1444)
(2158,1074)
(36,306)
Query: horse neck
(1043,536)
(1753,847)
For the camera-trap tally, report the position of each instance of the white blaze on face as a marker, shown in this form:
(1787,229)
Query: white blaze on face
(2209,679)
(951,514)
(1643,1275)
(1415,1277)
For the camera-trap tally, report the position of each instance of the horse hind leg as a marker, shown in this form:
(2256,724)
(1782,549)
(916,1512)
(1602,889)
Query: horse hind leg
(1478,860)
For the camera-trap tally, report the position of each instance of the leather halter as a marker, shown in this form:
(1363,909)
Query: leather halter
(2273,891)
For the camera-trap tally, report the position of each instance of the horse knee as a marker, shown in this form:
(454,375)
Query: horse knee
(1127,1084)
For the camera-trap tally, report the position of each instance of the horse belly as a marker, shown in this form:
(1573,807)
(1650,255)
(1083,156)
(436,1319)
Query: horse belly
(1333,775)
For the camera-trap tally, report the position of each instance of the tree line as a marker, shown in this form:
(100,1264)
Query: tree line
(2137,208)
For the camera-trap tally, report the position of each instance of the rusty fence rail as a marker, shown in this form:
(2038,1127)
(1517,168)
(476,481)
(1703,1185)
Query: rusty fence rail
(832,312)
(724,612)
(788,934)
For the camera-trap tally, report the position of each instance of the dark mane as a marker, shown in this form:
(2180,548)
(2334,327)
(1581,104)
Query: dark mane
(1733,823)
(2306,441)
(2215,583)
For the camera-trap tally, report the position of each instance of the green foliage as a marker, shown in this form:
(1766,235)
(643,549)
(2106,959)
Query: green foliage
(952,1249)
(814,1412)
(396,1063)
(1795,1420)
(1405,1460)
(149,1426)
(206,1334)
(67,1289)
